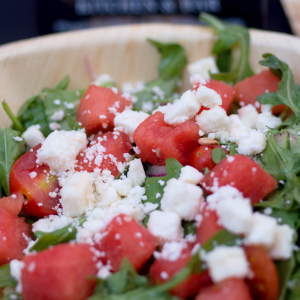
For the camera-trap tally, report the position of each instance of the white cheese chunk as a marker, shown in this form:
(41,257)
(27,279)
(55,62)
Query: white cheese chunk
(224,262)
(237,129)
(136,172)
(208,97)
(235,214)
(255,142)
(128,120)
(203,66)
(103,79)
(283,243)
(60,149)
(182,198)
(213,120)
(58,115)
(76,194)
(165,226)
(33,136)
(190,175)
(266,120)
(262,231)
(248,114)
(184,109)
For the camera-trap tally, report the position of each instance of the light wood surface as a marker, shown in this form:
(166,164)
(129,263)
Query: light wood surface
(292,11)
(122,51)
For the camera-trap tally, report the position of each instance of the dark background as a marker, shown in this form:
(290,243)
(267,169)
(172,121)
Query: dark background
(20,19)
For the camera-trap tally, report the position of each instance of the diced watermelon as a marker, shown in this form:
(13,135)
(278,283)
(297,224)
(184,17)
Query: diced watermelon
(36,184)
(13,203)
(98,107)
(14,234)
(248,89)
(115,144)
(126,238)
(230,289)
(208,225)
(65,271)
(163,269)
(264,284)
(158,140)
(242,173)
(225,90)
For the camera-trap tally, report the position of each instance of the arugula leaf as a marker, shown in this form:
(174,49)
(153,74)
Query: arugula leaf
(69,101)
(228,36)
(12,295)
(5,278)
(32,113)
(217,155)
(288,92)
(152,185)
(173,59)
(16,123)
(63,84)
(63,235)
(10,151)
(159,91)
(279,162)
(284,270)
(294,287)
(73,124)
(189,227)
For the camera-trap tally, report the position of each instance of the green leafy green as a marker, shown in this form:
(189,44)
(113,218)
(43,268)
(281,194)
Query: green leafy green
(189,227)
(40,108)
(69,101)
(288,92)
(63,235)
(12,295)
(173,59)
(217,155)
(284,270)
(73,124)
(5,278)
(17,124)
(33,113)
(153,185)
(63,84)
(279,162)
(10,151)
(159,91)
(229,36)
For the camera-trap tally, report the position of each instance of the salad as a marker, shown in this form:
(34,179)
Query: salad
(147,194)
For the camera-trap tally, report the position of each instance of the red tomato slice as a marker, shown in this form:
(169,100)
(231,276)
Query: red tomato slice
(65,271)
(13,203)
(201,158)
(14,232)
(189,287)
(265,282)
(98,107)
(248,89)
(208,225)
(36,184)
(242,173)
(126,238)
(158,140)
(225,90)
(229,289)
(116,144)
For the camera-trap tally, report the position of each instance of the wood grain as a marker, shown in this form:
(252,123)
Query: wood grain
(122,51)
(292,11)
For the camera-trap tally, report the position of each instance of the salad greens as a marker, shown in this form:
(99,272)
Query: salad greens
(172,63)
(280,158)
(228,37)
(10,151)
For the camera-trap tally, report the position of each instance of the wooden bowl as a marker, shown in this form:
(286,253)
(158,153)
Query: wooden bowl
(122,51)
